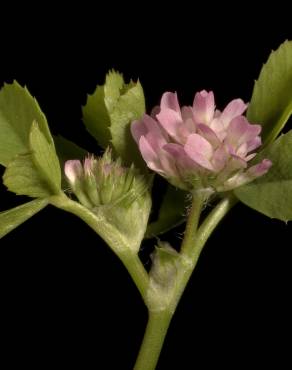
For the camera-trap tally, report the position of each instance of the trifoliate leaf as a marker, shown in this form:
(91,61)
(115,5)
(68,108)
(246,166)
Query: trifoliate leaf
(271,102)
(12,218)
(18,109)
(271,194)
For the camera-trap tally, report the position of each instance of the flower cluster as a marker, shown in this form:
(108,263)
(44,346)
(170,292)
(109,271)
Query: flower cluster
(199,147)
(101,181)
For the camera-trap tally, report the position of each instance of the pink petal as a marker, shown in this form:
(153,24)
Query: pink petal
(203,107)
(155,140)
(260,168)
(168,164)
(240,131)
(235,108)
(217,126)
(233,164)
(252,132)
(243,178)
(237,129)
(152,125)
(208,134)
(149,128)
(138,129)
(187,113)
(254,144)
(183,133)
(148,154)
(179,155)
(190,126)
(170,121)
(169,100)
(175,150)
(242,150)
(220,158)
(199,150)
(188,119)
(155,130)
(73,169)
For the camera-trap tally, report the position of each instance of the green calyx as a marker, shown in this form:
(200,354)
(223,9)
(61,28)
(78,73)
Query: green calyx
(103,181)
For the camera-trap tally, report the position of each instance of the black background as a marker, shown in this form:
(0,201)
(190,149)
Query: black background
(66,299)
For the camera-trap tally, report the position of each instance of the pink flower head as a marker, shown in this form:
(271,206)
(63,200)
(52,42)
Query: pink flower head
(198,146)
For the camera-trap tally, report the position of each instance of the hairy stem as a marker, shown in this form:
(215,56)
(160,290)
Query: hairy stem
(111,236)
(192,224)
(192,251)
(192,245)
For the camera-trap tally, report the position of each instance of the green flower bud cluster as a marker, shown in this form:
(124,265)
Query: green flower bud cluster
(103,181)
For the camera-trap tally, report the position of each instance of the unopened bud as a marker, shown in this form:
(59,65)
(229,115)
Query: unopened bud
(73,171)
(102,181)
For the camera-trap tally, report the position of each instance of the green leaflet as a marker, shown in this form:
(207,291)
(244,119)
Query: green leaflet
(130,221)
(130,107)
(36,174)
(22,178)
(271,102)
(114,83)
(45,159)
(18,109)
(109,112)
(96,118)
(12,218)
(271,194)
(171,212)
(129,215)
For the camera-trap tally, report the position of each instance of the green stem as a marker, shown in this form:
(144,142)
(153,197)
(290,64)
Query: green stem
(111,236)
(192,245)
(199,240)
(192,223)
(137,271)
(211,221)
(158,323)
